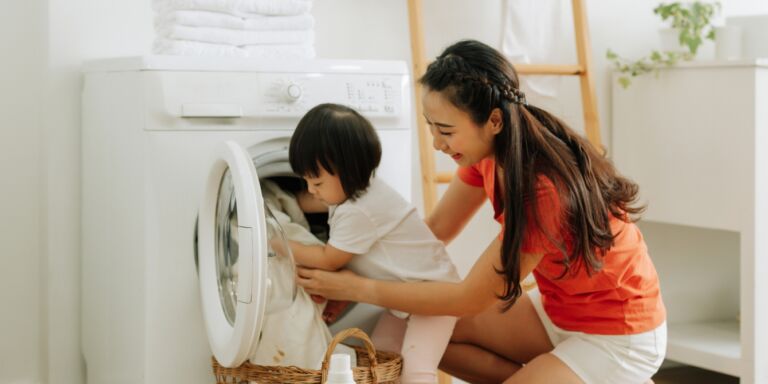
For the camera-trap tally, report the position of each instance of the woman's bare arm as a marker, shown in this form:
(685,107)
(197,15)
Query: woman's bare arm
(478,291)
(454,210)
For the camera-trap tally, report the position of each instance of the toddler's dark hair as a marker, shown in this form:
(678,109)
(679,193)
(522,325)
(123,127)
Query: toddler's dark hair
(340,140)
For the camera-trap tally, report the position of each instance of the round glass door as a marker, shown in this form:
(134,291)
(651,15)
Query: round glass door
(281,268)
(281,288)
(246,270)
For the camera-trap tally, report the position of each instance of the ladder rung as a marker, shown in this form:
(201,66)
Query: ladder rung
(549,69)
(443,177)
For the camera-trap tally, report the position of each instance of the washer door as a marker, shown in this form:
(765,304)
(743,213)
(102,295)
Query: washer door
(242,276)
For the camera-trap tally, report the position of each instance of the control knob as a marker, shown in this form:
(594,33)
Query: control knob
(293,92)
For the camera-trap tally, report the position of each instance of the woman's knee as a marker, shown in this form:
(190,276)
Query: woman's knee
(463,331)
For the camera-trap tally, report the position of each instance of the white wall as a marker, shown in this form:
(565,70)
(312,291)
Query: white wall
(78,30)
(744,7)
(22,280)
(39,143)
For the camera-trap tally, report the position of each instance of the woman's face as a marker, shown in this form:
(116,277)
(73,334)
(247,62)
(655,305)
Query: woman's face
(455,134)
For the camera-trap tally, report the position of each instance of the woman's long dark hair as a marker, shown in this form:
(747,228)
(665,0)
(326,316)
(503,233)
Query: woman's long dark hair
(478,79)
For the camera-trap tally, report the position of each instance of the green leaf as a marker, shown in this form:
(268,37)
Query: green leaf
(624,82)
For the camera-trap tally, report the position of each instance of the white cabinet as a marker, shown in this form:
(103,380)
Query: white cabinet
(695,138)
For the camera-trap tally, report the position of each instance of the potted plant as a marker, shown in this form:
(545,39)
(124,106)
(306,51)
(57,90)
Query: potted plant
(690,23)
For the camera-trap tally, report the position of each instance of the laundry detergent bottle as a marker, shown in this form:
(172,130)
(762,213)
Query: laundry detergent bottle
(340,370)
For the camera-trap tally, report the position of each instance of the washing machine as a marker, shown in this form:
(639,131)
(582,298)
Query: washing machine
(176,146)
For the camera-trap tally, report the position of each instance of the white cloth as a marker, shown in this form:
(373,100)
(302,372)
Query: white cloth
(222,20)
(235,37)
(286,209)
(272,51)
(298,335)
(243,8)
(533,33)
(390,240)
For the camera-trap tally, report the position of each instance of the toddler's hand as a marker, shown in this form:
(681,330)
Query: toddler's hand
(309,203)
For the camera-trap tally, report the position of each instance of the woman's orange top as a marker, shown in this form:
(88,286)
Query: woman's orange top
(621,298)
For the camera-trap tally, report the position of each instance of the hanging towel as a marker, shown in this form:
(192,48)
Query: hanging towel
(235,37)
(533,33)
(267,52)
(222,20)
(243,8)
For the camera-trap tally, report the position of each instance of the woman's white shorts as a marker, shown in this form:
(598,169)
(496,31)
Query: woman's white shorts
(610,359)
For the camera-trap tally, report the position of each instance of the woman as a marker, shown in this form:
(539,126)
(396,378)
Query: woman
(567,217)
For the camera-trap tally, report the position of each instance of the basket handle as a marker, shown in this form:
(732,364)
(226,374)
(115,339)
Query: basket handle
(338,338)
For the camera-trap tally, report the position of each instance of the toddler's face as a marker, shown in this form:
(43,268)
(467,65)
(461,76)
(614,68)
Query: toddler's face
(326,187)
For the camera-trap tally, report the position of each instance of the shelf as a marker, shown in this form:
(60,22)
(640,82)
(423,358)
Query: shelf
(549,69)
(715,346)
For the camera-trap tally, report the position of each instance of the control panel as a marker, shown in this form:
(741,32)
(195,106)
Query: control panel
(371,95)
(201,100)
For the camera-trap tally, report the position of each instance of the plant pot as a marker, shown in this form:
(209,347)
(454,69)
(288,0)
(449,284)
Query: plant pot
(728,43)
(670,40)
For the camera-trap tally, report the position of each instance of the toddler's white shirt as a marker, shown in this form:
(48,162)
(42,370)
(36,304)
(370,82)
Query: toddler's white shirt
(389,239)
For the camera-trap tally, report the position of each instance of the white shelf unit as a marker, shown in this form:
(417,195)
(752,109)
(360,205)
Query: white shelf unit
(695,138)
(710,345)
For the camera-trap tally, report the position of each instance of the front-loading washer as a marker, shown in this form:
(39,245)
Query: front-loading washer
(154,129)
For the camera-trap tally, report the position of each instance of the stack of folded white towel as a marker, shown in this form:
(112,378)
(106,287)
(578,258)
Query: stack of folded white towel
(266,29)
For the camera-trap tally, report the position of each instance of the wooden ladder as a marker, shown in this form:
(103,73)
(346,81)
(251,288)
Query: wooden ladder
(429,176)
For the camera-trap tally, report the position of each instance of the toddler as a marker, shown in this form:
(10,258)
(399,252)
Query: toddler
(373,230)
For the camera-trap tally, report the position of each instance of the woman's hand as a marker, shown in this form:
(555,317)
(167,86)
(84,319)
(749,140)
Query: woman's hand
(342,285)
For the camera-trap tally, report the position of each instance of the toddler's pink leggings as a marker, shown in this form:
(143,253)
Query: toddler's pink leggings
(421,340)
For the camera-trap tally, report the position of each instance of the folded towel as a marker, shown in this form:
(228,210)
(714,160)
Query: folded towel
(194,48)
(223,20)
(235,37)
(294,51)
(243,8)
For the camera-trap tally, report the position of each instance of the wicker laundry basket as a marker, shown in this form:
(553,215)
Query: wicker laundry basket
(372,367)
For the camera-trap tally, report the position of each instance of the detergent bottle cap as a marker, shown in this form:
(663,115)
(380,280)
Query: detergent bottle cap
(339,370)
